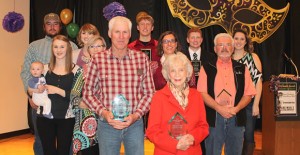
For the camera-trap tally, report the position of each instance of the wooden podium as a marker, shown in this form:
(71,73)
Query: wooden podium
(279,137)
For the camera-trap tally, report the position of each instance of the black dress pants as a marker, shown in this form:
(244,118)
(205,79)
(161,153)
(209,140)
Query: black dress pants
(56,135)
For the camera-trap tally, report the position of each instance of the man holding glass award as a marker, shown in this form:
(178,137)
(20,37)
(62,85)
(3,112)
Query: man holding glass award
(226,88)
(119,88)
(177,119)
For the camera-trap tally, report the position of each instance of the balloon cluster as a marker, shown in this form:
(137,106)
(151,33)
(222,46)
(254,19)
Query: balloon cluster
(66,17)
(113,9)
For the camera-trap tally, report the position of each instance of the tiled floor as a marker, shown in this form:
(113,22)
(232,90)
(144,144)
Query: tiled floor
(22,145)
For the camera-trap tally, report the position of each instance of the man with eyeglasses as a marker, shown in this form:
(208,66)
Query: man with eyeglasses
(40,50)
(226,88)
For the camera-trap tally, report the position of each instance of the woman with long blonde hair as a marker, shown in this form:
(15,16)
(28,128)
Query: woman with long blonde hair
(60,74)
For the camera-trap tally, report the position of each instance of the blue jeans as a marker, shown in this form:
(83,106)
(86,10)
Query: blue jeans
(225,132)
(110,139)
(37,144)
(250,124)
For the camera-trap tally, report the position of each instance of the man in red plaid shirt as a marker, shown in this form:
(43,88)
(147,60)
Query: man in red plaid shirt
(119,71)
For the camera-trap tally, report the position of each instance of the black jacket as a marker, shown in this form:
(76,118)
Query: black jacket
(239,78)
(205,58)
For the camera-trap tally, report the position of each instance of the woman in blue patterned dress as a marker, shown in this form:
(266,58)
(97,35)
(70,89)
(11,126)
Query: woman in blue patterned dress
(243,53)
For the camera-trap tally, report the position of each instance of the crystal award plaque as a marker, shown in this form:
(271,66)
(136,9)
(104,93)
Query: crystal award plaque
(224,98)
(177,126)
(120,107)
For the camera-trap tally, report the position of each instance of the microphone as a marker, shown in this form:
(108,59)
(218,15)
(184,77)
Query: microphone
(292,62)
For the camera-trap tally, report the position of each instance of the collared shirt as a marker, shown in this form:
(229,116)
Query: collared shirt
(152,44)
(109,76)
(225,80)
(198,52)
(39,50)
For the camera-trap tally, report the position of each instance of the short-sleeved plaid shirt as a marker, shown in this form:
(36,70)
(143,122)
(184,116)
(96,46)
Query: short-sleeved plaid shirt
(108,76)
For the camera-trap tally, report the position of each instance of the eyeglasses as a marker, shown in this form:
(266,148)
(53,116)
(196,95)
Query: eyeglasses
(222,45)
(97,46)
(166,41)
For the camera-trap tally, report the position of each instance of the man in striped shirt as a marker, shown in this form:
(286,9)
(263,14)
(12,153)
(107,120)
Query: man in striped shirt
(119,71)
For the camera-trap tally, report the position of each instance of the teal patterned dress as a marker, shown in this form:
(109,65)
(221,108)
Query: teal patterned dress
(84,134)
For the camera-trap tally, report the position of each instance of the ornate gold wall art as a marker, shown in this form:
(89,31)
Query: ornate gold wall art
(254,16)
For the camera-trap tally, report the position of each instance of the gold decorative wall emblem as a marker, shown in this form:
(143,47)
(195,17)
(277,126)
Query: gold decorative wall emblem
(225,13)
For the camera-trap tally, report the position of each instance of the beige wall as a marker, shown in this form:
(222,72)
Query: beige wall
(13,46)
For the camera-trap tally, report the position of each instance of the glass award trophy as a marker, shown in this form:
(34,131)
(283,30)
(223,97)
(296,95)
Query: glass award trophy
(120,107)
(177,126)
(224,98)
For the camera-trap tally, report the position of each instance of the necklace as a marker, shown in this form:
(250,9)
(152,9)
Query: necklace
(86,59)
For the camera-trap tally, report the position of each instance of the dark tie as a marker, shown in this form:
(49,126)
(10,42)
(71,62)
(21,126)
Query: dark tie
(195,56)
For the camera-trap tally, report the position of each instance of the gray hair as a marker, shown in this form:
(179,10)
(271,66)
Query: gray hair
(226,35)
(173,59)
(117,19)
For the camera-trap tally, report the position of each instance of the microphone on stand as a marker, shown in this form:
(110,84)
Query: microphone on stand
(284,54)
(291,61)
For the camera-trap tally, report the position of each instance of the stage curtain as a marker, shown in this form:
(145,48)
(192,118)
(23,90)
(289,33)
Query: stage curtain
(38,9)
(285,39)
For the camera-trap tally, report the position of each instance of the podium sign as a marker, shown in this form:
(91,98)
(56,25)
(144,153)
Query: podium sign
(286,97)
(286,100)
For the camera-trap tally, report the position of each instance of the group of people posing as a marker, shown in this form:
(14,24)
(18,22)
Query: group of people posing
(185,101)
